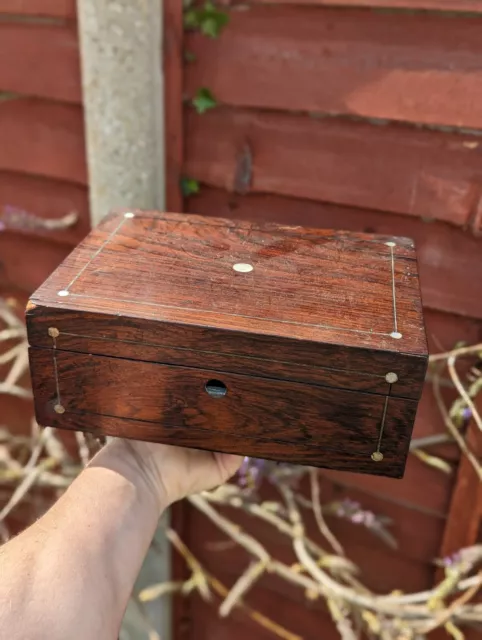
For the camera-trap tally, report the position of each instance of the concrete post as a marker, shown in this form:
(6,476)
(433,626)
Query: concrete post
(121,48)
(120,42)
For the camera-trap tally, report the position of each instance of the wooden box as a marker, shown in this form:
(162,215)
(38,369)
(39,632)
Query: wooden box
(293,344)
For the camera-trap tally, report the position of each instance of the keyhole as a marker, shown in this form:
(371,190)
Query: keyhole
(216,388)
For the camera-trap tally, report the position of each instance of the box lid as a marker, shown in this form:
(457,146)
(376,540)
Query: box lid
(324,307)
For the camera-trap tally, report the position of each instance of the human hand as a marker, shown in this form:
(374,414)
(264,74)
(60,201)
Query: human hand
(176,472)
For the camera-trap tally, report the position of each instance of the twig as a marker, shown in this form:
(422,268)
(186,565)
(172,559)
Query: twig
(18,369)
(241,586)
(456,353)
(192,563)
(445,616)
(83,448)
(429,441)
(15,390)
(320,521)
(222,591)
(245,540)
(454,432)
(460,388)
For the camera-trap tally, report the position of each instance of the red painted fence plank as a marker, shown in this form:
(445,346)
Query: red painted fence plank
(391,168)
(43,138)
(51,8)
(449,258)
(25,262)
(422,68)
(40,60)
(474,6)
(43,198)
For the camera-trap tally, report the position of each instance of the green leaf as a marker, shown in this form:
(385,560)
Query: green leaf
(208,19)
(192,19)
(204,100)
(189,186)
(213,23)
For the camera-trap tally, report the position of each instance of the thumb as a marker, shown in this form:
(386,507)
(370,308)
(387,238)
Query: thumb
(228,464)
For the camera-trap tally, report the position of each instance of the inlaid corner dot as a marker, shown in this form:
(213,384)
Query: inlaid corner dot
(54,332)
(396,335)
(391,377)
(377,456)
(63,293)
(128,215)
(59,408)
(243,267)
(390,244)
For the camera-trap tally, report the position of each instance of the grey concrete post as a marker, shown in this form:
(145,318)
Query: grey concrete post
(122,89)
(120,42)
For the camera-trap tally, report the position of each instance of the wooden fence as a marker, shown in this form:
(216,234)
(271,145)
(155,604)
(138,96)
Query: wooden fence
(355,114)
(361,115)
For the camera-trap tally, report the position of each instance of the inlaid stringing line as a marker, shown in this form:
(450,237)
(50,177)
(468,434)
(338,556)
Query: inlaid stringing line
(97,253)
(394,298)
(233,315)
(56,373)
(382,426)
(165,306)
(237,355)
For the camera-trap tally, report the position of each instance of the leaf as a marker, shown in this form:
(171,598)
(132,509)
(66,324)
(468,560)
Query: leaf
(208,19)
(213,23)
(204,100)
(191,19)
(189,186)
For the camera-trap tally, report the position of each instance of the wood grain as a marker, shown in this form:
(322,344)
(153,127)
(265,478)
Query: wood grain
(24,199)
(51,8)
(43,138)
(415,172)
(298,297)
(421,68)
(262,418)
(46,58)
(445,255)
(235,352)
(318,309)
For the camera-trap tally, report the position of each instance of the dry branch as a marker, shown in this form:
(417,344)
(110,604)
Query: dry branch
(320,574)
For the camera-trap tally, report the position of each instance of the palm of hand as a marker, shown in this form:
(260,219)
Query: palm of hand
(179,472)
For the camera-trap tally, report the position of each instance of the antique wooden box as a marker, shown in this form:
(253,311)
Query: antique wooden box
(278,342)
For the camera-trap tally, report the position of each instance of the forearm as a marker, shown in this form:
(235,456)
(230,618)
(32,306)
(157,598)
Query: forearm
(85,552)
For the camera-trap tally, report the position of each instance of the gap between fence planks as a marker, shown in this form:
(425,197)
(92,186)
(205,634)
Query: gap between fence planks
(390,168)
(414,67)
(40,60)
(43,138)
(474,6)
(48,8)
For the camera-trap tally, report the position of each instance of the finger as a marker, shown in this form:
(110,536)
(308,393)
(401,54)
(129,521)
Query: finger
(228,464)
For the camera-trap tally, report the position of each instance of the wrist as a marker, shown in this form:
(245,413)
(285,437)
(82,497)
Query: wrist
(134,460)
